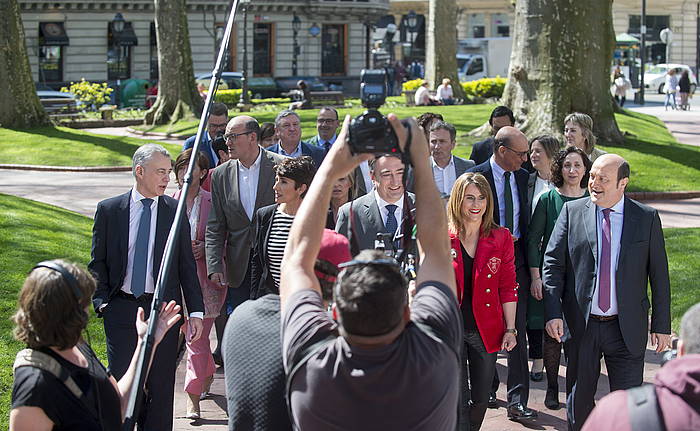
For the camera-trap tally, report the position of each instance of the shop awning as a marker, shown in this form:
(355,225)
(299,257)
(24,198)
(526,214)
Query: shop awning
(52,34)
(626,38)
(126,37)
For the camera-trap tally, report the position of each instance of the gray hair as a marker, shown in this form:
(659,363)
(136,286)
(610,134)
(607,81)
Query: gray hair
(283,114)
(690,330)
(585,122)
(444,125)
(144,153)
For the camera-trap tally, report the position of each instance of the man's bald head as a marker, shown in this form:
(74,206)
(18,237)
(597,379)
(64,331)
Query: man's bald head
(242,139)
(608,180)
(510,148)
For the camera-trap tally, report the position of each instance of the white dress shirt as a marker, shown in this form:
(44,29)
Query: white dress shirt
(248,184)
(541,187)
(499,181)
(295,153)
(616,218)
(364,167)
(444,177)
(398,213)
(135,211)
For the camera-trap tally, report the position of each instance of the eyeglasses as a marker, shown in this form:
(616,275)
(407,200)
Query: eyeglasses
(325,121)
(521,154)
(217,125)
(233,136)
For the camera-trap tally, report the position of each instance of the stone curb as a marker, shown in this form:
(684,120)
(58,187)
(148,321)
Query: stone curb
(159,134)
(66,168)
(96,124)
(655,196)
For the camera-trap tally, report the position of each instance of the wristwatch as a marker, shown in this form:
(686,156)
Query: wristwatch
(512,331)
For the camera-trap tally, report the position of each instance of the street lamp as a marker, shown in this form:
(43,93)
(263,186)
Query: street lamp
(118,23)
(412,24)
(244,102)
(296,25)
(389,39)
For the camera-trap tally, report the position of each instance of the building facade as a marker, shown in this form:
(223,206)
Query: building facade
(494,18)
(70,40)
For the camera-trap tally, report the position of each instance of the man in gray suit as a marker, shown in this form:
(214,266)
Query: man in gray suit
(446,167)
(238,188)
(598,260)
(380,211)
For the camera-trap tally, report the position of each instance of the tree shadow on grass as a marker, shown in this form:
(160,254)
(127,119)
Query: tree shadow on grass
(116,144)
(677,153)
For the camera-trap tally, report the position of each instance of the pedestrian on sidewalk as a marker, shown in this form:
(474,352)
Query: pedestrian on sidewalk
(684,90)
(200,362)
(622,86)
(670,89)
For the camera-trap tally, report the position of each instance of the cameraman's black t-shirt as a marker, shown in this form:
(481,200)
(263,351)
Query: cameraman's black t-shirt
(38,388)
(410,384)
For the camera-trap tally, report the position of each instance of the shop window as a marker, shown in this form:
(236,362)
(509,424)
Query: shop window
(119,51)
(263,52)
(333,49)
(52,39)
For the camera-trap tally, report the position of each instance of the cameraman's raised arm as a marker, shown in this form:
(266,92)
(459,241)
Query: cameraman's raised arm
(431,220)
(304,240)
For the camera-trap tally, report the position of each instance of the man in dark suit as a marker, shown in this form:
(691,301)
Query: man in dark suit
(128,242)
(511,210)
(288,131)
(326,126)
(501,116)
(381,211)
(447,167)
(218,118)
(601,291)
(239,187)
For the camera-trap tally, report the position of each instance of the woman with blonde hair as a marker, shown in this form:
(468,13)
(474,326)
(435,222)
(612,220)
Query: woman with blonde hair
(483,257)
(444,92)
(59,384)
(578,132)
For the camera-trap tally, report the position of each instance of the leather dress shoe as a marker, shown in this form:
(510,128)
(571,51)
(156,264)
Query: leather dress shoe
(519,412)
(536,377)
(551,399)
(493,401)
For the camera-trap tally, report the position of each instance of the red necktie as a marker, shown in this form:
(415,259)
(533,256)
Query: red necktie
(604,293)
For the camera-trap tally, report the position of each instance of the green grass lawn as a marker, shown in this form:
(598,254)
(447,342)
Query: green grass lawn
(61,146)
(32,232)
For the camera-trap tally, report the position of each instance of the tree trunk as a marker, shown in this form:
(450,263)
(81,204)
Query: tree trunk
(20,107)
(562,51)
(441,50)
(177,93)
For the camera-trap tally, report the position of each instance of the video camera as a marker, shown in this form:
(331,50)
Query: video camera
(371,132)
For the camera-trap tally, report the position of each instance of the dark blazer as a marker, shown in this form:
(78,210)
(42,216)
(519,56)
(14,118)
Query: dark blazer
(110,237)
(316,153)
(367,221)
(261,282)
(359,186)
(570,265)
(521,179)
(205,147)
(461,166)
(228,224)
(482,151)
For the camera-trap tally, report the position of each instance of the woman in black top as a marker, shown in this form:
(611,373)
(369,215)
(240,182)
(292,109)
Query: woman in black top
(51,316)
(684,90)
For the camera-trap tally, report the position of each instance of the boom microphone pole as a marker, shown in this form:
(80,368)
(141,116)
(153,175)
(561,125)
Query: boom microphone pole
(137,392)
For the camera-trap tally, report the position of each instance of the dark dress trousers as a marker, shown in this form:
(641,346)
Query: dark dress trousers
(569,276)
(109,261)
(518,372)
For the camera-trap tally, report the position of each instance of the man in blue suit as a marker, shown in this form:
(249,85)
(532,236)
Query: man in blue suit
(288,131)
(218,118)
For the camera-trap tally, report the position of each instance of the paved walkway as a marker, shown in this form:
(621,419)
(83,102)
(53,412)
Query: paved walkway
(684,125)
(122,131)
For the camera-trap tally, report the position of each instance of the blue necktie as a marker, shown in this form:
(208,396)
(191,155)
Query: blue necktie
(138,275)
(327,145)
(391,223)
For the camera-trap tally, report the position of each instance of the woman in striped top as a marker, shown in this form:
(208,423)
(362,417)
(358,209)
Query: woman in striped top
(272,223)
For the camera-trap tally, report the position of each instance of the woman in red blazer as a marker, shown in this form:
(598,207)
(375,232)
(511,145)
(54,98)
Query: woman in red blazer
(200,362)
(484,266)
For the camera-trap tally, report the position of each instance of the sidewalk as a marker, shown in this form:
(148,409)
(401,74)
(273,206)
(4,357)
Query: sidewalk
(684,125)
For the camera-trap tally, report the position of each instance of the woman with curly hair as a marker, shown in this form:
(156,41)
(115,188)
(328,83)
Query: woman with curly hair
(570,171)
(79,393)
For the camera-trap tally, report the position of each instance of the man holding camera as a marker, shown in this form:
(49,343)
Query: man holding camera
(383,362)
(218,118)
(380,211)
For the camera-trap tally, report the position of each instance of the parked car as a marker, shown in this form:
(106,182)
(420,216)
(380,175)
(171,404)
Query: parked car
(260,87)
(57,100)
(655,76)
